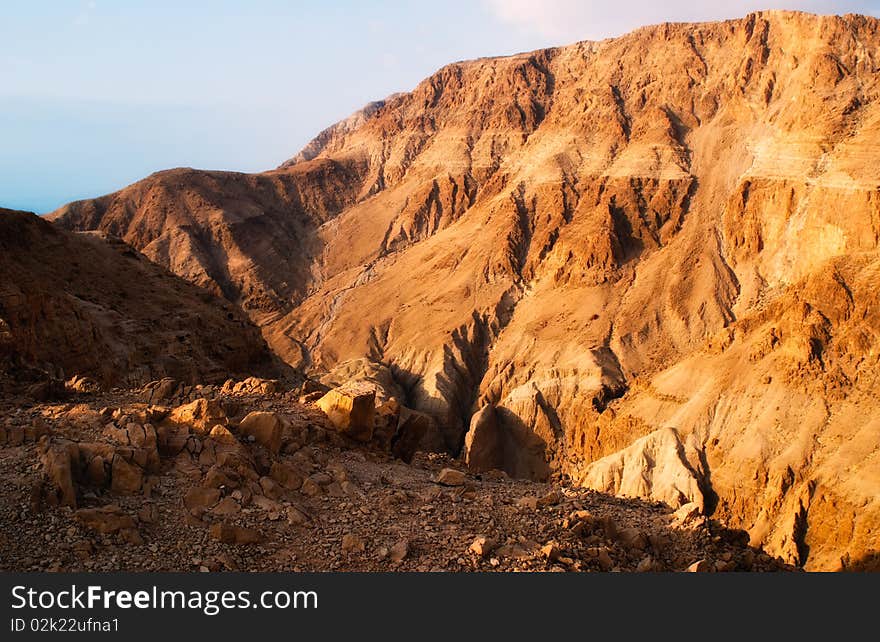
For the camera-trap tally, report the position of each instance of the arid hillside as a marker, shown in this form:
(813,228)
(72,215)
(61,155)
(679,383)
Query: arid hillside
(91,306)
(647,263)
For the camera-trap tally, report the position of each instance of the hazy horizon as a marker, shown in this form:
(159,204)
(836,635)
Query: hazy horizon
(98,96)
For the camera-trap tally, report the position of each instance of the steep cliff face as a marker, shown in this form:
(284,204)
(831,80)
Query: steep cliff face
(596,241)
(80,304)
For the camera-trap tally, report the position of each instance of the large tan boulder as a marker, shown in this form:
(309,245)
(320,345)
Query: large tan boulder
(351,408)
(483,449)
(201,415)
(266,428)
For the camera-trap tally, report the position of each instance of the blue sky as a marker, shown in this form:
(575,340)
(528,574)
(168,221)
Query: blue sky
(96,94)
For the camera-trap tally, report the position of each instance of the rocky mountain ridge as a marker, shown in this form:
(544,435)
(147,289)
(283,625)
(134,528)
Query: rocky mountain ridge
(645,263)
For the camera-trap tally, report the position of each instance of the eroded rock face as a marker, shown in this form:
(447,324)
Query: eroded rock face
(655,466)
(675,229)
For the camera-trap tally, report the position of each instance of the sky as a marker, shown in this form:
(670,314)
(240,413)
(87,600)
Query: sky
(96,94)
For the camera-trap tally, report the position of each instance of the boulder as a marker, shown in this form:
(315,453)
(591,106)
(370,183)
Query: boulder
(201,415)
(158,391)
(125,478)
(483,449)
(265,427)
(286,475)
(222,435)
(106,519)
(451,477)
(201,498)
(351,409)
(483,545)
(83,385)
(59,461)
(231,534)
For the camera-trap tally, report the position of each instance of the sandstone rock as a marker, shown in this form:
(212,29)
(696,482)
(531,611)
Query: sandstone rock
(451,477)
(50,390)
(700,276)
(265,427)
(148,514)
(700,566)
(271,488)
(201,498)
(201,415)
(96,471)
(351,410)
(231,534)
(125,478)
(285,475)
(222,435)
(482,546)
(59,461)
(483,449)
(653,467)
(605,561)
(158,391)
(83,384)
(351,543)
(550,499)
(311,489)
(106,519)
(632,538)
(687,513)
(528,502)
(296,517)
(399,551)
(551,551)
(226,507)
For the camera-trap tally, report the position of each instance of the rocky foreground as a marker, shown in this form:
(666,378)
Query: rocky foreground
(250,477)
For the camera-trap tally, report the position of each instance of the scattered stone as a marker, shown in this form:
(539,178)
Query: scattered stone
(700,566)
(351,543)
(451,477)
(201,498)
(231,534)
(399,551)
(604,559)
(483,546)
(551,551)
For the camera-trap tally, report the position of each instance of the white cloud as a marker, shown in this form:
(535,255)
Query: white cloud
(570,20)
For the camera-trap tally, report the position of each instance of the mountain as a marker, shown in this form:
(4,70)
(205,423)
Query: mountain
(647,263)
(90,305)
